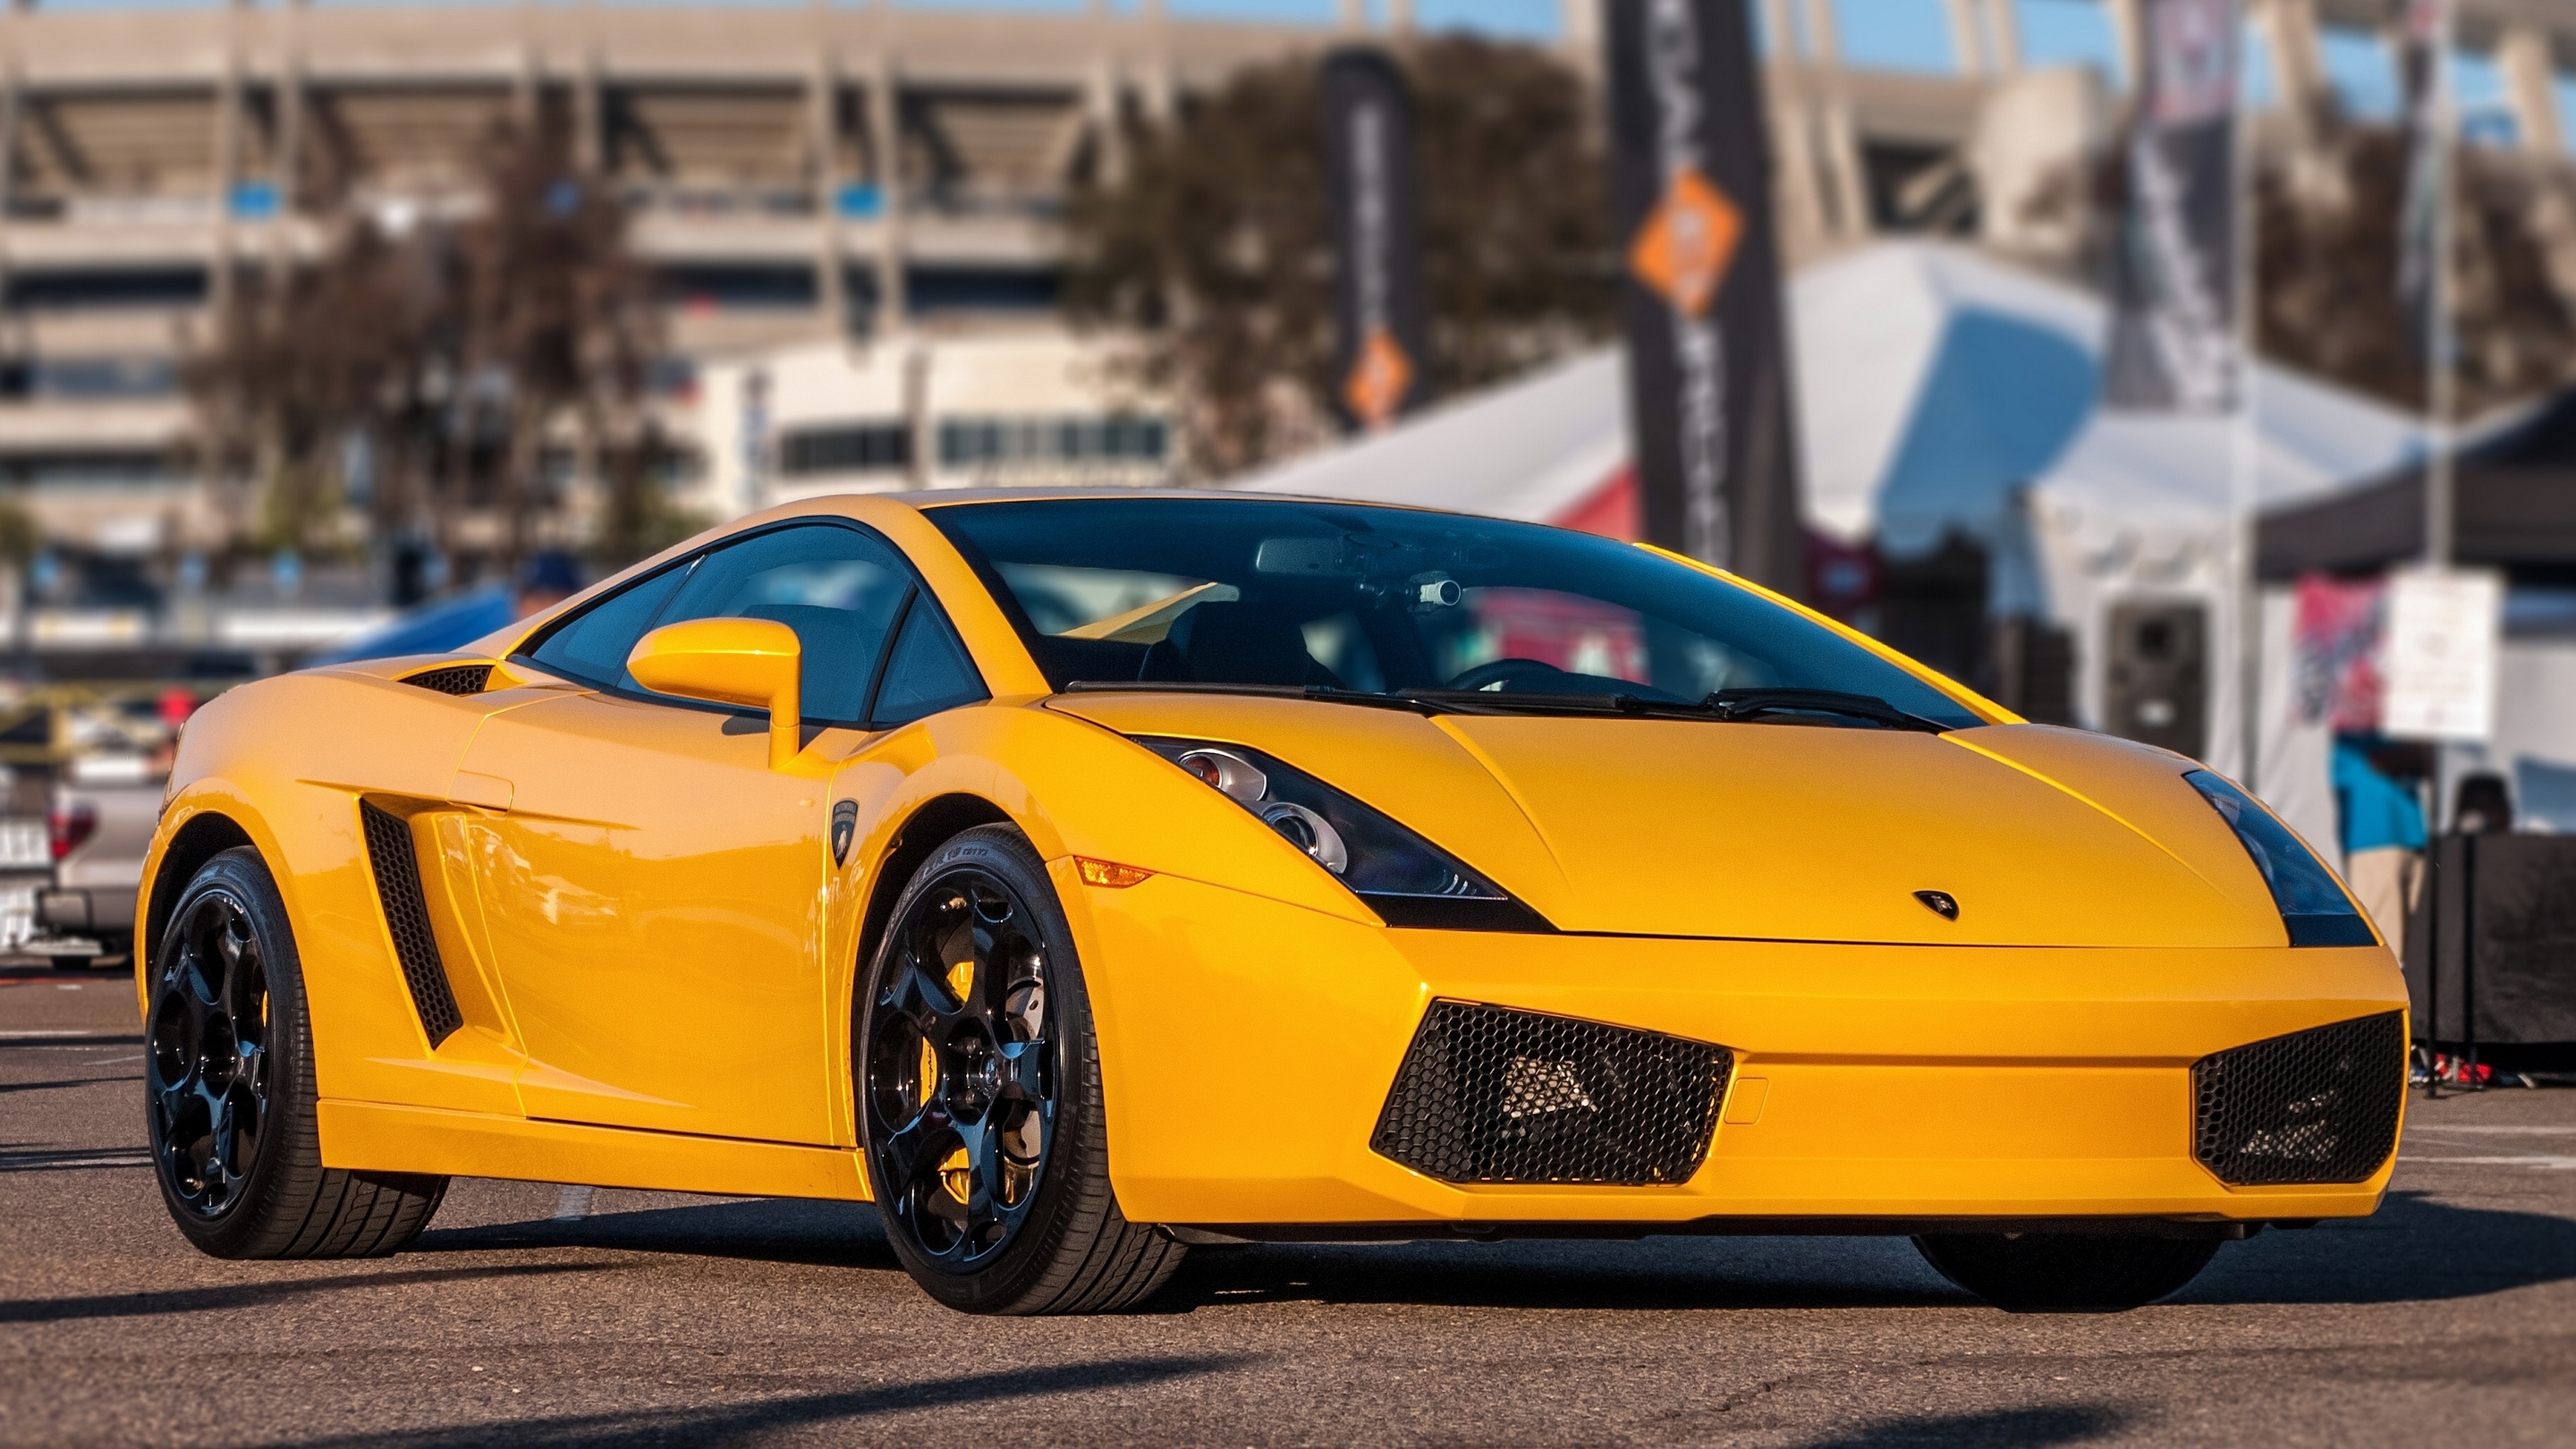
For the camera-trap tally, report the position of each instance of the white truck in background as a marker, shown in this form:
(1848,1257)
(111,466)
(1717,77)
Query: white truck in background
(99,829)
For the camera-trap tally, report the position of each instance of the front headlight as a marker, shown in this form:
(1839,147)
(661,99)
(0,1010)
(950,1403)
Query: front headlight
(2313,907)
(1406,879)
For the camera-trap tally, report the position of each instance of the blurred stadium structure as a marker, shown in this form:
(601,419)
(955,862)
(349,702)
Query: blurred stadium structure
(852,220)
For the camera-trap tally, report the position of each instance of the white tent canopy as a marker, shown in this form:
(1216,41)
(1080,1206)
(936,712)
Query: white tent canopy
(1537,449)
(1932,385)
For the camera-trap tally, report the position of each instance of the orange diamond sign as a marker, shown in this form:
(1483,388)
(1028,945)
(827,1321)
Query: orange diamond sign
(1683,249)
(1380,377)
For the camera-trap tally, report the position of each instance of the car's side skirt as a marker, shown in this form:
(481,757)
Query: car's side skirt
(375,1137)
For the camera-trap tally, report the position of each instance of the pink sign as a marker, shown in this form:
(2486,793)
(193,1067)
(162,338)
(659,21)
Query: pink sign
(2335,648)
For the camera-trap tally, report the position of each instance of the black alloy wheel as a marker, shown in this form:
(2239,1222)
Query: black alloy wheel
(210,1066)
(963,1072)
(979,1084)
(229,1100)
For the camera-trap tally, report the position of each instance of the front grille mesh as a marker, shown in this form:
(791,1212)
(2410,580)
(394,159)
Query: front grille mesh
(1487,1094)
(453,679)
(2316,1106)
(397,869)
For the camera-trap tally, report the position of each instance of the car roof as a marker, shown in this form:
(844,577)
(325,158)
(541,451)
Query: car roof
(925,499)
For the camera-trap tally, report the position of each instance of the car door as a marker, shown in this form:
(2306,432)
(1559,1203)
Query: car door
(653,890)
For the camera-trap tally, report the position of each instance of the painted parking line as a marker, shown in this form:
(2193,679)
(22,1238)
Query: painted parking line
(572,1204)
(2518,1159)
(2567,1131)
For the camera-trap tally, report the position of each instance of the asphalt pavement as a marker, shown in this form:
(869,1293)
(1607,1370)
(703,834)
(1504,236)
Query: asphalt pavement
(540,1314)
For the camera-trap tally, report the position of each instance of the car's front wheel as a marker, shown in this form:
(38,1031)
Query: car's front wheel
(979,1083)
(2066,1272)
(228,1088)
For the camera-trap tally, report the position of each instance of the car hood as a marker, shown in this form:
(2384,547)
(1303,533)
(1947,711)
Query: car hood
(2041,836)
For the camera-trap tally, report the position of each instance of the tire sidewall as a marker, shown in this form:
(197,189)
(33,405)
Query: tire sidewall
(1003,853)
(245,876)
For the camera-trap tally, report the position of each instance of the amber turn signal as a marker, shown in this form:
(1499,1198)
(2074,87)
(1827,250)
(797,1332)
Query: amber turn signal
(1109,873)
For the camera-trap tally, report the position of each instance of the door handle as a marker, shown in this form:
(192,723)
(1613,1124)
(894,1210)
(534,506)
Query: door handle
(488,792)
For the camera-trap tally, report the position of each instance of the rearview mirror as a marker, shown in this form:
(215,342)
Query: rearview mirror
(754,663)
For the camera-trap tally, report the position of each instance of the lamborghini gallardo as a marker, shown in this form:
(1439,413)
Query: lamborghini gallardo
(1082,877)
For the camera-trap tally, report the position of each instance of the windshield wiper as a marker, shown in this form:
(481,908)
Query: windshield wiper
(1416,701)
(1730,705)
(1743,704)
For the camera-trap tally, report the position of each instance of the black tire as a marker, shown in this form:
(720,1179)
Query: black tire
(228,1088)
(2066,1272)
(979,1096)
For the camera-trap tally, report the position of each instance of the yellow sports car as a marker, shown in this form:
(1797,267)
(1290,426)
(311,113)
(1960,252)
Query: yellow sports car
(1083,876)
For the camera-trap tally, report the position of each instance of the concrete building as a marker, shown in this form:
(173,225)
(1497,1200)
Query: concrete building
(846,204)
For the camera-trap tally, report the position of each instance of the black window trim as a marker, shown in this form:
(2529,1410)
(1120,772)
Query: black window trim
(894,638)
(918,589)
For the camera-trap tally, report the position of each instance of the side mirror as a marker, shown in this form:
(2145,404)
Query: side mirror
(754,663)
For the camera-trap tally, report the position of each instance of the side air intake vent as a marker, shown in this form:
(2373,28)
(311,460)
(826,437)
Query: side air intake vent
(1488,1094)
(2315,1106)
(453,678)
(407,918)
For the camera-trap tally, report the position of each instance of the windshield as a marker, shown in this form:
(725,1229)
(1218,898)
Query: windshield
(1275,593)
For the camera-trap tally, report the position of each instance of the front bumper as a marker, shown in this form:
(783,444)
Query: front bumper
(1248,1048)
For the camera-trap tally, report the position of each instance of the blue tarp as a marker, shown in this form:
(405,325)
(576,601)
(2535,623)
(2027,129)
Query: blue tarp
(436,627)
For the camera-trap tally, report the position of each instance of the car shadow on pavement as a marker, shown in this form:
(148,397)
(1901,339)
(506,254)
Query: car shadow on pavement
(2033,1428)
(771,1230)
(257,1295)
(736,1423)
(1655,1274)
(2414,1249)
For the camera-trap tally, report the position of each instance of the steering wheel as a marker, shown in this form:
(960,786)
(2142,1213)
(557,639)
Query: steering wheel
(1505,672)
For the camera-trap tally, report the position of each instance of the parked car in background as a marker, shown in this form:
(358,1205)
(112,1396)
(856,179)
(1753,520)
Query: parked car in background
(100,829)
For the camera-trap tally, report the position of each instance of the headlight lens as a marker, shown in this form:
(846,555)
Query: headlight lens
(1404,878)
(2313,907)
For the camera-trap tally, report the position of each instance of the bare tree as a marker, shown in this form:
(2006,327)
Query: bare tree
(557,316)
(526,320)
(294,364)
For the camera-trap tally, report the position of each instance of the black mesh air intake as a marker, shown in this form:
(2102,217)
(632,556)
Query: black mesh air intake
(1488,1094)
(453,678)
(407,919)
(2315,1106)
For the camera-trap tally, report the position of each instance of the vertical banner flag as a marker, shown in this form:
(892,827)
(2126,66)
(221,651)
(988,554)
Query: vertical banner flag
(2173,320)
(1377,231)
(2419,226)
(1708,365)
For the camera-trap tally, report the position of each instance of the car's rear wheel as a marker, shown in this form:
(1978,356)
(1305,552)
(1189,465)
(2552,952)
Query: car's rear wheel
(979,1085)
(2066,1272)
(228,1088)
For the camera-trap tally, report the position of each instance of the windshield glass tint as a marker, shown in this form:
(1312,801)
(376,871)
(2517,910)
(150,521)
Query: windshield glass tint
(1264,592)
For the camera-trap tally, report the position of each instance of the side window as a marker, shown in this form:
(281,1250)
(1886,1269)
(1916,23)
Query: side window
(928,671)
(593,647)
(836,587)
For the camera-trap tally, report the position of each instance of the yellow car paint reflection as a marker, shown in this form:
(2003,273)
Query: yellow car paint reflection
(653,940)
